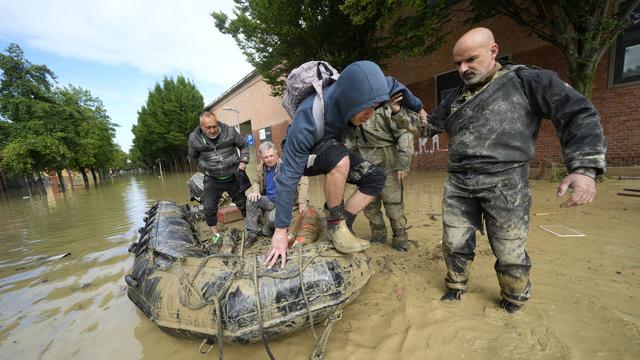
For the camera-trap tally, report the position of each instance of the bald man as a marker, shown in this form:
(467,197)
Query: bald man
(492,121)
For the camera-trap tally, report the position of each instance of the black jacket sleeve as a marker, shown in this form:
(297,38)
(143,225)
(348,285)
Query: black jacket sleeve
(576,120)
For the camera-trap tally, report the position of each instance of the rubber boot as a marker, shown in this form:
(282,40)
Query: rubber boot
(509,306)
(343,239)
(400,240)
(378,233)
(251,237)
(452,295)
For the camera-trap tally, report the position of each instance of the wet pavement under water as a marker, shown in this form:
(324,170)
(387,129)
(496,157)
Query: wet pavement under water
(585,289)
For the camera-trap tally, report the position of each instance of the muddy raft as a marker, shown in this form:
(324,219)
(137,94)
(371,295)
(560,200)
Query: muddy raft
(200,290)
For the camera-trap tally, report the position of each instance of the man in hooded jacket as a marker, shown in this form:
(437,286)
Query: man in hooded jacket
(350,101)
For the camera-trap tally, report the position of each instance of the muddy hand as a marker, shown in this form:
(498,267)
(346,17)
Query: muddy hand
(584,190)
(279,244)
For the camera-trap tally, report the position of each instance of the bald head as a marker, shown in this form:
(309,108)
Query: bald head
(475,55)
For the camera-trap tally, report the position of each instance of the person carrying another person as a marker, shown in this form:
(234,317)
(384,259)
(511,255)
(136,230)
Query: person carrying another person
(216,146)
(381,142)
(492,122)
(350,101)
(261,199)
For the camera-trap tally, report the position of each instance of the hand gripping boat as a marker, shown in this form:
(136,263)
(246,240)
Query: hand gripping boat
(198,291)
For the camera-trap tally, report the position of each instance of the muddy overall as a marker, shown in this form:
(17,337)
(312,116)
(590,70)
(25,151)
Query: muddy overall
(503,199)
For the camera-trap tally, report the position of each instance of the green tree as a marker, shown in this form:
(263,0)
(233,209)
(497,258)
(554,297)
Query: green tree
(278,35)
(88,131)
(27,103)
(165,121)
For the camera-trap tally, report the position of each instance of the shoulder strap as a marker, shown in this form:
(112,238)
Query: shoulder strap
(318,115)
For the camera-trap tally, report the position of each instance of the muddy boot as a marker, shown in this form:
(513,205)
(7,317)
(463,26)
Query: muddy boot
(251,237)
(378,233)
(509,306)
(452,295)
(400,240)
(343,239)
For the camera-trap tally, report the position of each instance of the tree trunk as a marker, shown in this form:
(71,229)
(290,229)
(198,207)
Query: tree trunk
(3,182)
(85,178)
(95,179)
(71,182)
(175,164)
(581,74)
(61,178)
(26,179)
(40,184)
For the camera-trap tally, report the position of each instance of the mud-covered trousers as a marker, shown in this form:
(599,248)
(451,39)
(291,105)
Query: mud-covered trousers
(503,199)
(391,198)
(213,190)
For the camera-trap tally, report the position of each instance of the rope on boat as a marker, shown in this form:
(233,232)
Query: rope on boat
(321,345)
(304,294)
(265,339)
(187,288)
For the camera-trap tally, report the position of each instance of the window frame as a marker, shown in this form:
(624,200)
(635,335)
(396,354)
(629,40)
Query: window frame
(616,56)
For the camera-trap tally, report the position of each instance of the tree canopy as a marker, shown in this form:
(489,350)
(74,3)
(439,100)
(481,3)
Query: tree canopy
(48,127)
(165,121)
(278,35)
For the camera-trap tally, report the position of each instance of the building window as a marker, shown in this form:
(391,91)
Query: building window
(626,61)
(448,83)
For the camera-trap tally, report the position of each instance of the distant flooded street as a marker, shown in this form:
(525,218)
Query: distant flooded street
(585,300)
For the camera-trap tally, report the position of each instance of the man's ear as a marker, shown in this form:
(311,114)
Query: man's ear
(494,50)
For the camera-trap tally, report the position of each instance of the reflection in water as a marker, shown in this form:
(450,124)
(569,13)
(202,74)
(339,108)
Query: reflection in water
(75,297)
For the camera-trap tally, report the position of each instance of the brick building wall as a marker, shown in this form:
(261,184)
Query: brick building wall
(251,98)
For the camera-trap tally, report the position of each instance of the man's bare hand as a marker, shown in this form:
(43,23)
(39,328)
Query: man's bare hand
(279,244)
(400,175)
(302,207)
(395,102)
(584,190)
(242,166)
(423,115)
(253,196)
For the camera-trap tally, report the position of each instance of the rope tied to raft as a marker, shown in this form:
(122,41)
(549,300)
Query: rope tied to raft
(321,345)
(187,288)
(265,339)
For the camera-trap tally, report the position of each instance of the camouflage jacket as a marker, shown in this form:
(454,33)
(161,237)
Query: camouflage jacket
(381,142)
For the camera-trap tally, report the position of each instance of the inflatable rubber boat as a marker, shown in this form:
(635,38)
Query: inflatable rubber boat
(193,288)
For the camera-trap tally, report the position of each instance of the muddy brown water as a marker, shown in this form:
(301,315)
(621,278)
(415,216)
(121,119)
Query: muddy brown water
(585,301)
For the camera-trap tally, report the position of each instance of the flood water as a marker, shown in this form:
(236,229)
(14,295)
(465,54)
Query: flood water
(585,302)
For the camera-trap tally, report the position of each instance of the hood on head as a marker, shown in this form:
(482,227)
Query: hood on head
(361,85)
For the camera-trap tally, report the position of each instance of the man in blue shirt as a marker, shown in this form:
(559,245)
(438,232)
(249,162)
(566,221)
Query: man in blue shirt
(262,198)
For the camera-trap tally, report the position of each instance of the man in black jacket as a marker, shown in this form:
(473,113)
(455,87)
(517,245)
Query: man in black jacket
(216,146)
(492,122)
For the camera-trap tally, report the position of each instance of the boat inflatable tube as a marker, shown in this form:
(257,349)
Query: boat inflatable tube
(188,289)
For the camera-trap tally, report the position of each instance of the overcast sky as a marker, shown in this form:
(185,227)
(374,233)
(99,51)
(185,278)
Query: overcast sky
(119,49)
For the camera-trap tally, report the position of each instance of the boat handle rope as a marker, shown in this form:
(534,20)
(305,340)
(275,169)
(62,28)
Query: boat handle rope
(265,339)
(304,293)
(321,345)
(188,288)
